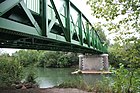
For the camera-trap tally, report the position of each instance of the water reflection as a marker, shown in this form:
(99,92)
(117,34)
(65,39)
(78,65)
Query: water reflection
(49,77)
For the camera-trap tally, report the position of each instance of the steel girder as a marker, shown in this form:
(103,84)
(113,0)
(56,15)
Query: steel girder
(53,27)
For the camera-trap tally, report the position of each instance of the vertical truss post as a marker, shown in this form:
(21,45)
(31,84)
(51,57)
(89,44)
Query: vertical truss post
(80,28)
(44,16)
(92,37)
(97,41)
(88,35)
(68,20)
(59,20)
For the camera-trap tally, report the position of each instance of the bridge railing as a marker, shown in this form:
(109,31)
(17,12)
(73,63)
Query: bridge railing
(74,26)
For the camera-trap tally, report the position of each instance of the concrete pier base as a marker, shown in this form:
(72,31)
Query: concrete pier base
(93,62)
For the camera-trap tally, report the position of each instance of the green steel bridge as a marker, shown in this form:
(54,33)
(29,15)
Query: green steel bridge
(47,25)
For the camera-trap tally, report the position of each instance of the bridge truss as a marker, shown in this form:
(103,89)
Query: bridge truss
(47,25)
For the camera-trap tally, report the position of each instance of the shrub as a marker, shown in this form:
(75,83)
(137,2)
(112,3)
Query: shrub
(10,72)
(76,83)
(31,77)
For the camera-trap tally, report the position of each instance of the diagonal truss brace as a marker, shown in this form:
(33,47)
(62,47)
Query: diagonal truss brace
(75,27)
(30,16)
(53,20)
(59,20)
(7,5)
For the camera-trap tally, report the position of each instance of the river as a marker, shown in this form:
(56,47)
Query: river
(49,77)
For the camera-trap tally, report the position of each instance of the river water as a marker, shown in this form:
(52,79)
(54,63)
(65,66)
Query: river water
(49,77)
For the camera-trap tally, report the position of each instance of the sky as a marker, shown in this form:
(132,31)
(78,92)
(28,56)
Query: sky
(85,9)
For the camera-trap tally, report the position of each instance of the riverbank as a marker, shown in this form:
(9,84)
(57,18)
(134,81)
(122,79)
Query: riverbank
(44,90)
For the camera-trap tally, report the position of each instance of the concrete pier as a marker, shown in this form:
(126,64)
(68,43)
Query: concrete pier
(93,62)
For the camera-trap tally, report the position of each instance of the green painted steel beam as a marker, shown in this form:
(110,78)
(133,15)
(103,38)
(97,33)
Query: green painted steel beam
(30,16)
(68,19)
(44,16)
(80,28)
(74,28)
(53,21)
(59,20)
(86,20)
(88,35)
(7,5)
(15,26)
(93,42)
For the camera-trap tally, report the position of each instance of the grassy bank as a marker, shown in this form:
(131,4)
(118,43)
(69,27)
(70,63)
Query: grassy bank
(79,83)
(122,80)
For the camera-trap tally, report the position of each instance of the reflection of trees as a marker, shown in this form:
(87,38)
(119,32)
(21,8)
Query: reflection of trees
(54,75)
(91,79)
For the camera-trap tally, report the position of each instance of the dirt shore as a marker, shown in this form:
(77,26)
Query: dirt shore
(44,90)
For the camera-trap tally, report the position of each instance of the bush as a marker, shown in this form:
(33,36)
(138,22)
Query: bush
(31,78)
(57,59)
(26,57)
(30,75)
(76,83)
(126,80)
(121,81)
(10,72)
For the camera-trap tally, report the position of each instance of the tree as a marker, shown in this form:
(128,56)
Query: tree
(113,11)
(122,19)
(26,57)
(45,58)
(57,59)
(48,59)
(126,29)
(110,9)
(101,33)
(10,71)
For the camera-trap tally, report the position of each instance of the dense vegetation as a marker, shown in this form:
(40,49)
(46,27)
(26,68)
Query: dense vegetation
(121,19)
(10,71)
(46,58)
(12,66)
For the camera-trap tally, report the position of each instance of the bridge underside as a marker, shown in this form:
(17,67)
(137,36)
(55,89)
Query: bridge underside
(25,41)
(43,25)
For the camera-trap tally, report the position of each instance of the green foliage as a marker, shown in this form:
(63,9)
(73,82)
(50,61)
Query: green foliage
(46,58)
(110,9)
(127,53)
(120,18)
(126,77)
(57,59)
(63,61)
(10,71)
(103,86)
(100,31)
(121,81)
(77,83)
(26,57)
(116,55)
(125,80)
(31,77)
